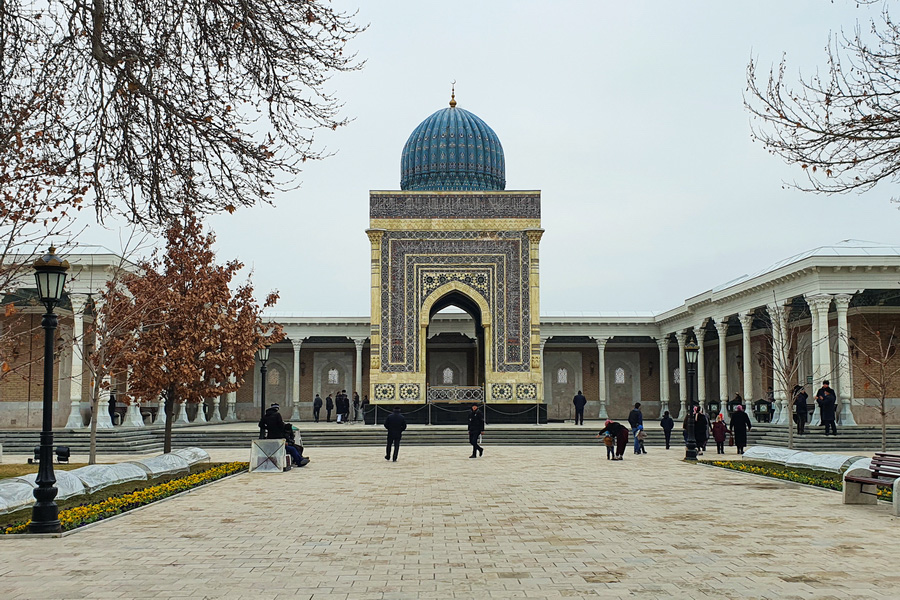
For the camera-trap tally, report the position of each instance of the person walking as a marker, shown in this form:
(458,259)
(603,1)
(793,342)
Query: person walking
(476,427)
(740,425)
(636,419)
(579,401)
(701,430)
(317,407)
(329,406)
(668,424)
(395,425)
(720,431)
(620,433)
(827,402)
(801,408)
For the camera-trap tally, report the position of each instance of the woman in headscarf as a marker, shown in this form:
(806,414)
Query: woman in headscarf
(740,425)
(620,433)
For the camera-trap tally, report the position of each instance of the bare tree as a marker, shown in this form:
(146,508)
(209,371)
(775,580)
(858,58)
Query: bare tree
(162,104)
(878,367)
(843,127)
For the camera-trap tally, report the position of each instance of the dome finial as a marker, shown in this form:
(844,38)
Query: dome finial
(453,94)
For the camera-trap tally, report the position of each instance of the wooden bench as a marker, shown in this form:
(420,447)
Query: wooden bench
(864,477)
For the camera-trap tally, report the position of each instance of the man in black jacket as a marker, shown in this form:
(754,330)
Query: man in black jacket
(476,427)
(329,406)
(827,407)
(635,418)
(273,423)
(395,425)
(801,408)
(579,401)
(317,406)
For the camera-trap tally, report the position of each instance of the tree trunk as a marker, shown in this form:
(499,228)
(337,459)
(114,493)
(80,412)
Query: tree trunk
(170,401)
(95,405)
(883,425)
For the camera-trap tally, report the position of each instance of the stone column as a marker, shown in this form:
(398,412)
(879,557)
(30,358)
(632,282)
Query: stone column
(821,346)
(681,338)
(814,344)
(746,320)
(75,420)
(295,392)
(216,416)
(160,412)
(360,342)
(663,374)
(182,416)
(201,413)
(845,385)
(700,334)
(601,376)
(779,377)
(133,416)
(230,402)
(722,329)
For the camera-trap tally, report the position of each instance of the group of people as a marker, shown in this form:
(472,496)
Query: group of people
(276,429)
(615,435)
(827,401)
(395,424)
(341,405)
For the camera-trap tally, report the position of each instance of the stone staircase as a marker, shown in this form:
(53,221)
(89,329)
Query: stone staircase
(860,439)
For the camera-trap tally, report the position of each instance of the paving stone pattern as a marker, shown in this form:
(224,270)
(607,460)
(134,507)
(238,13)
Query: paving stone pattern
(542,522)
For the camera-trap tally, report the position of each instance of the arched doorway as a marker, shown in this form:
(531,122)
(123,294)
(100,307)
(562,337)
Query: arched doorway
(454,342)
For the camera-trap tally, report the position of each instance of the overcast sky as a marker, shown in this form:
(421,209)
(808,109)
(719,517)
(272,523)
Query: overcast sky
(628,116)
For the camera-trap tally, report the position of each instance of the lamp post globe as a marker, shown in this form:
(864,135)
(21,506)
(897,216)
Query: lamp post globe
(262,355)
(50,278)
(691,352)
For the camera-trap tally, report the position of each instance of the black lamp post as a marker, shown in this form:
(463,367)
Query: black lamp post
(691,351)
(50,276)
(263,355)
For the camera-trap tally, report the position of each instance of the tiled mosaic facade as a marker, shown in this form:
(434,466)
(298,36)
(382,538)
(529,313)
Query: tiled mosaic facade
(428,245)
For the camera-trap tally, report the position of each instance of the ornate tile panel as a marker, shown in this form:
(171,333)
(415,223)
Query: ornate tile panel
(452,206)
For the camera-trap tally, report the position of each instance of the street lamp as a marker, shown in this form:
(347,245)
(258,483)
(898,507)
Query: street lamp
(50,276)
(262,355)
(691,351)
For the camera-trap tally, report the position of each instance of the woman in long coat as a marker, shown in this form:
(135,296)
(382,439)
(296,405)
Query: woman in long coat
(701,430)
(740,425)
(620,433)
(720,430)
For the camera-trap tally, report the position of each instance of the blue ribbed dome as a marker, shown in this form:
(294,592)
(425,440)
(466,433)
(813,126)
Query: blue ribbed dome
(452,150)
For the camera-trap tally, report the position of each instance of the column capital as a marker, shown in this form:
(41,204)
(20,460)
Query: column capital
(722,326)
(359,341)
(375,235)
(601,342)
(297,343)
(746,319)
(663,342)
(681,337)
(78,303)
(700,332)
(842,301)
(819,301)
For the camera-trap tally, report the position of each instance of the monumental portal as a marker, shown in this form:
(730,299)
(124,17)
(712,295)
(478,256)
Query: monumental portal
(453,236)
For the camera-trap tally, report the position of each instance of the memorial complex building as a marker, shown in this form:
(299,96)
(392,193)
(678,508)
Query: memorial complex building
(455,319)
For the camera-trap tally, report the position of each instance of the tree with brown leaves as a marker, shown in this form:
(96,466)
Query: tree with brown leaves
(203,336)
(165,104)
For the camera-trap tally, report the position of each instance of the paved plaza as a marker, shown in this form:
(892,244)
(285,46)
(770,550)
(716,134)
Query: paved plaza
(539,522)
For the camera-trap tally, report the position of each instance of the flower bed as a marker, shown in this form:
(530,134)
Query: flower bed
(824,480)
(89,513)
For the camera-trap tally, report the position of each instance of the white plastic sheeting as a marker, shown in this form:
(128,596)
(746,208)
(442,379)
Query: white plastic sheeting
(770,454)
(193,455)
(164,464)
(14,495)
(267,456)
(833,463)
(97,477)
(67,484)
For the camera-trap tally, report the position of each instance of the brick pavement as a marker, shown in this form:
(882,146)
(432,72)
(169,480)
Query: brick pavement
(547,522)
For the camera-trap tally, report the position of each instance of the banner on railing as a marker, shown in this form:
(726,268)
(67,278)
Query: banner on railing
(455,393)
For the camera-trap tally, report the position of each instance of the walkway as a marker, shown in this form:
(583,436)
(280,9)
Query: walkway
(519,523)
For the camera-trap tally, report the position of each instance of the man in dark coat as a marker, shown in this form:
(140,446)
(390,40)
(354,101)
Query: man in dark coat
(329,406)
(801,408)
(273,423)
(668,424)
(635,418)
(317,406)
(740,425)
(476,427)
(395,425)
(827,405)
(579,401)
